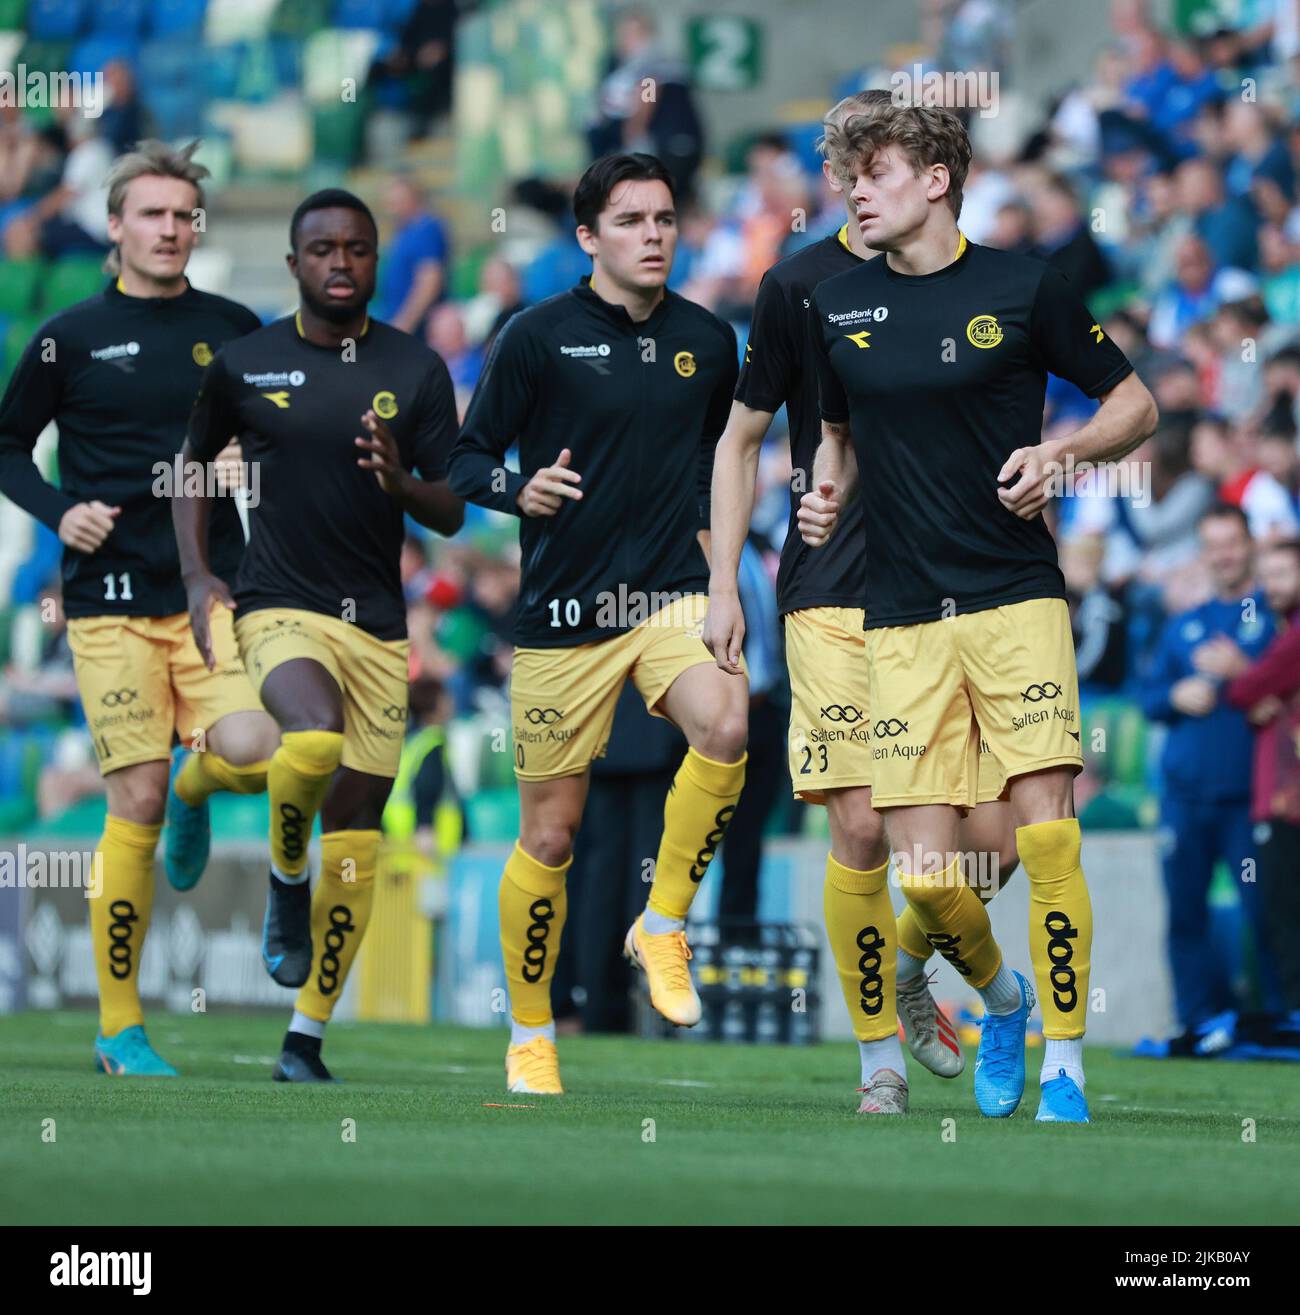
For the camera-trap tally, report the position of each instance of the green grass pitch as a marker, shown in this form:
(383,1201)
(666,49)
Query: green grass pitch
(739,1134)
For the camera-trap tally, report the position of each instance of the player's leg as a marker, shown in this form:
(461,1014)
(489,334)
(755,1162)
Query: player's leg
(676,676)
(562,705)
(340,913)
(1019,664)
(226,742)
(122,678)
(830,764)
(924,762)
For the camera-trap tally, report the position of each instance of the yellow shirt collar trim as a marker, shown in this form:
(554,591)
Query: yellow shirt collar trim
(297,324)
(843,236)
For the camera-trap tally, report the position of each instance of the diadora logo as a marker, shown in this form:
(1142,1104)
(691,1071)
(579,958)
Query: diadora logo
(948,945)
(542,716)
(1060,932)
(119,698)
(541,911)
(1096,330)
(875,313)
(859,339)
(276,379)
(684,364)
(335,937)
(749,350)
(600,349)
(281,399)
(888,727)
(1049,689)
(384,405)
(294,828)
(116,352)
(123,918)
(711,842)
(984,331)
(872,986)
(844,712)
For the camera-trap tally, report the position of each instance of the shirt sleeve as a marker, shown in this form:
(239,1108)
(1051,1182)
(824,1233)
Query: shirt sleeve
(31,401)
(715,422)
(832,398)
(1277,673)
(1068,341)
(772,350)
(506,394)
(1160,675)
(435,431)
(214,417)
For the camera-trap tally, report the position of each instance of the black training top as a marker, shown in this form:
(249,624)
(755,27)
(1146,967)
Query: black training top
(118,375)
(641,407)
(942,377)
(779,368)
(325,537)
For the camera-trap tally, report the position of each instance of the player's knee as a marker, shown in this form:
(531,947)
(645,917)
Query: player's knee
(725,738)
(314,752)
(252,741)
(862,837)
(550,843)
(138,796)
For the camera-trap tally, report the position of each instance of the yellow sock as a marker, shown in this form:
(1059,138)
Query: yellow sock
(699,806)
(203,774)
(954,922)
(860,928)
(1060,924)
(119,918)
(297,781)
(911,939)
(340,912)
(533,905)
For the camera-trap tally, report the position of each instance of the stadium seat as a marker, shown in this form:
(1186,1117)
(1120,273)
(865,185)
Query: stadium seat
(299,18)
(493,814)
(20,332)
(19,281)
(396,12)
(358,13)
(177,17)
(71,280)
(119,17)
(337,133)
(13,15)
(90,55)
(56,20)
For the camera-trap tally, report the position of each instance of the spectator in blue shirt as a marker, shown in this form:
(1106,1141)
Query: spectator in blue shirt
(413,266)
(1206,769)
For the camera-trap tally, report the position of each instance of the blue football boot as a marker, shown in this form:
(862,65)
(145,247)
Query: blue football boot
(1000,1060)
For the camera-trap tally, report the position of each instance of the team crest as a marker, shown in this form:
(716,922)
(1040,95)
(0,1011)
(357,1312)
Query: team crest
(684,364)
(984,331)
(384,405)
(202,354)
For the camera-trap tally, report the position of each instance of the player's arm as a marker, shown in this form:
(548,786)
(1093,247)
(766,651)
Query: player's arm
(1069,342)
(214,420)
(508,391)
(1275,675)
(835,467)
(427,497)
(835,481)
(30,402)
(735,473)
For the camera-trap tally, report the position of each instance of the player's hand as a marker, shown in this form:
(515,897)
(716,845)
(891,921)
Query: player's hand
(1194,696)
(1026,475)
(201,593)
(1265,710)
(384,459)
(818,513)
(724,630)
(544,493)
(85,526)
(1220,658)
(229,465)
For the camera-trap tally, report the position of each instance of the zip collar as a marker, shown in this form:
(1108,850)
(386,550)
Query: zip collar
(618,315)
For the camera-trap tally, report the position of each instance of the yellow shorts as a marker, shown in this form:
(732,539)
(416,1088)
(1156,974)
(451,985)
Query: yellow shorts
(562,700)
(372,673)
(141,678)
(1007,674)
(830,726)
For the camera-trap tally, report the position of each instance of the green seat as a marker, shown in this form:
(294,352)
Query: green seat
(19,282)
(83,820)
(72,279)
(463,283)
(20,333)
(13,15)
(337,133)
(16,815)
